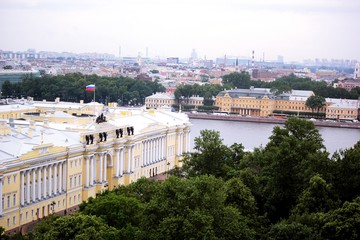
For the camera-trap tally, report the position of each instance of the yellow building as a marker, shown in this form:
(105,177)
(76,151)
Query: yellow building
(342,109)
(51,166)
(261,101)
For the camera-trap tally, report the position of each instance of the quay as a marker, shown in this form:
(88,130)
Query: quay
(272,120)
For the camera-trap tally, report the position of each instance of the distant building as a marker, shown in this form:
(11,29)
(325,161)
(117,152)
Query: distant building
(357,71)
(159,100)
(349,84)
(263,75)
(261,101)
(342,109)
(172,60)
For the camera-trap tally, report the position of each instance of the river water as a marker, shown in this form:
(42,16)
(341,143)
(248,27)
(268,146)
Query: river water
(253,135)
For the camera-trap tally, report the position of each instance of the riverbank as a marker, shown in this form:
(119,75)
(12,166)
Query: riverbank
(269,120)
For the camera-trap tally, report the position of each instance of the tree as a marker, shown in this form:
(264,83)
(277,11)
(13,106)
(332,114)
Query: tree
(317,197)
(193,208)
(6,89)
(342,223)
(236,79)
(347,173)
(293,155)
(315,102)
(295,231)
(77,226)
(210,157)
(118,211)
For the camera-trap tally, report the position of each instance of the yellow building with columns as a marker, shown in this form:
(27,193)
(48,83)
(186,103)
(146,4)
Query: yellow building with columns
(49,166)
(262,102)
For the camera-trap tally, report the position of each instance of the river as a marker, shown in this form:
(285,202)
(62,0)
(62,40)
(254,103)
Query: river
(252,134)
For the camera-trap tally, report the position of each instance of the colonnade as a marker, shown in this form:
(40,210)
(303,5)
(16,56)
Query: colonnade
(92,175)
(181,147)
(39,183)
(154,150)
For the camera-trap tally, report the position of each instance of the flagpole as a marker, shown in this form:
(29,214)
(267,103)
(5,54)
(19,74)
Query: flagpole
(94,101)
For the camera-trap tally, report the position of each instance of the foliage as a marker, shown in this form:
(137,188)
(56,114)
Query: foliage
(347,173)
(71,87)
(6,89)
(315,102)
(77,226)
(194,208)
(236,79)
(210,157)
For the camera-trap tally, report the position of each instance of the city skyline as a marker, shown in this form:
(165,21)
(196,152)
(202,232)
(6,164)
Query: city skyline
(297,30)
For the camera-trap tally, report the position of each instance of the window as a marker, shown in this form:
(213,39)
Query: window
(14,199)
(26,215)
(15,178)
(8,222)
(32,213)
(14,220)
(70,200)
(9,180)
(20,217)
(71,182)
(8,201)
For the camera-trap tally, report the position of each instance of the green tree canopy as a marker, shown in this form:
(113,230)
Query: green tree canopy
(315,102)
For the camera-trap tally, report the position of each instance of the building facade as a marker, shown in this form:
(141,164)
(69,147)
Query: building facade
(50,167)
(159,100)
(262,102)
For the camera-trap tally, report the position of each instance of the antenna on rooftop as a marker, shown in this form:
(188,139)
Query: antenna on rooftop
(252,63)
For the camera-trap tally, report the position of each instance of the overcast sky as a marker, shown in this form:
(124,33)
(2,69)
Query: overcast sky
(295,29)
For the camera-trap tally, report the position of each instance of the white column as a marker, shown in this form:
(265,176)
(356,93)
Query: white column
(55,179)
(105,167)
(117,152)
(157,142)
(101,167)
(129,158)
(28,186)
(39,182)
(132,159)
(92,170)
(64,177)
(121,162)
(181,143)
(44,183)
(188,140)
(60,177)
(162,148)
(22,190)
(147,152)
(50,180)
(1,203)
(143,154)
(33,185)
(87,171)
(153,151)
(178,153)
